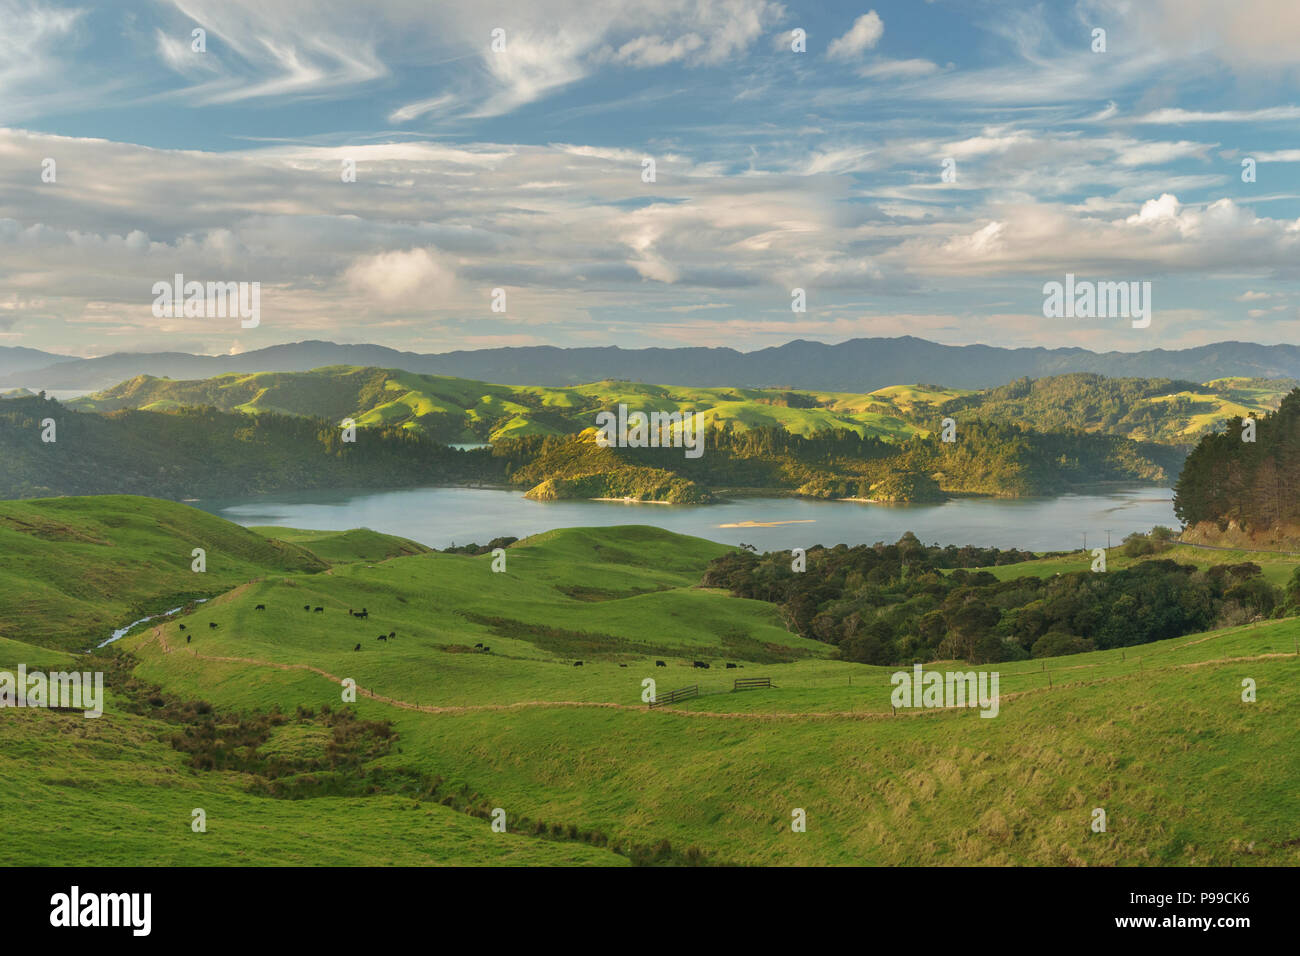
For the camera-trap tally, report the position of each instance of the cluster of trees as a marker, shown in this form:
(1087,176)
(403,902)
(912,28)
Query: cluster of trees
(986,458)
(1118,406)
(478,549)
(1253,484)
(894,605)
(203,452)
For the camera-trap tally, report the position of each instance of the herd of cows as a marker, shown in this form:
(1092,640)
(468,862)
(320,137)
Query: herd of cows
(392,636)
(703,664)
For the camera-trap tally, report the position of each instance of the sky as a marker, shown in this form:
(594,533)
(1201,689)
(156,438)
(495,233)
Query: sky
(916,168)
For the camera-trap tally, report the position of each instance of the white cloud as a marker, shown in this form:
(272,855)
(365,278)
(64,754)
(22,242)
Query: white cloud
(862,36)
(897,69)
(1272,114)
(412,277)
(1249,36)
(656,51)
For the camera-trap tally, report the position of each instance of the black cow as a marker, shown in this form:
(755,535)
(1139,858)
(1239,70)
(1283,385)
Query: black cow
(213,624)
(182,627)
(187,638)
(260,607)
(317,610)
(357,648)
(700,664)
(479,645)
(382,637)
(622,665)
(486,649)
(363,613)
(660,664)
(577,663)
(306,607)
(731,667)
(391,635)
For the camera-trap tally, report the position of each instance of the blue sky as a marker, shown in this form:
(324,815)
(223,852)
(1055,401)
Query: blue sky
(521,169)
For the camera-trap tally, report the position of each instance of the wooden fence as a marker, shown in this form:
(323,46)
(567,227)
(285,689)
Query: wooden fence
(674,696)
(751,683)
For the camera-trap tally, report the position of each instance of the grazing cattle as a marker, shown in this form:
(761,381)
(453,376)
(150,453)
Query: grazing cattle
(357,648)
(382,637)
(260,607)
(363,613)
(317,610)
(577,663)
(391,635)
(486,649)
(182,627)
(213,624)
(622,665)
(479,645)
(731,667)
(187,638)
(700,664)
(306,607)
(660,664)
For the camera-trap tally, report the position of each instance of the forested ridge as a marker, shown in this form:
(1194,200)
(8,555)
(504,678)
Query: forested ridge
(1255,485)
(985,458)
(202,452)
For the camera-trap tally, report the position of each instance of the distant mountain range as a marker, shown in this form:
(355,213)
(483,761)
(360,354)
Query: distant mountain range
(858,365)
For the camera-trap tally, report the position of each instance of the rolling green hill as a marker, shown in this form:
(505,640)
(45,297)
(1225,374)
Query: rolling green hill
(460,410)
(75,569)
(1158,736)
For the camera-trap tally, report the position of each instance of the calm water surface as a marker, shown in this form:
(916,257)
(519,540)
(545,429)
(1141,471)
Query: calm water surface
(440,517)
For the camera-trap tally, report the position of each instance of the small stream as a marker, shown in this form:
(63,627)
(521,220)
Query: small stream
(121,632)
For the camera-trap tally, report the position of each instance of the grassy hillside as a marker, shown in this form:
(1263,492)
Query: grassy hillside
(1157,736)
(341,547)
(460,410)
(76,569)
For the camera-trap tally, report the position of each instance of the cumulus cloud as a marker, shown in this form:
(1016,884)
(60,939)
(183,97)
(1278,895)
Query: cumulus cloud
(862,36)
(410,276)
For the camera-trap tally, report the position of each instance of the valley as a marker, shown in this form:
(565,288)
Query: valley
(585,772)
